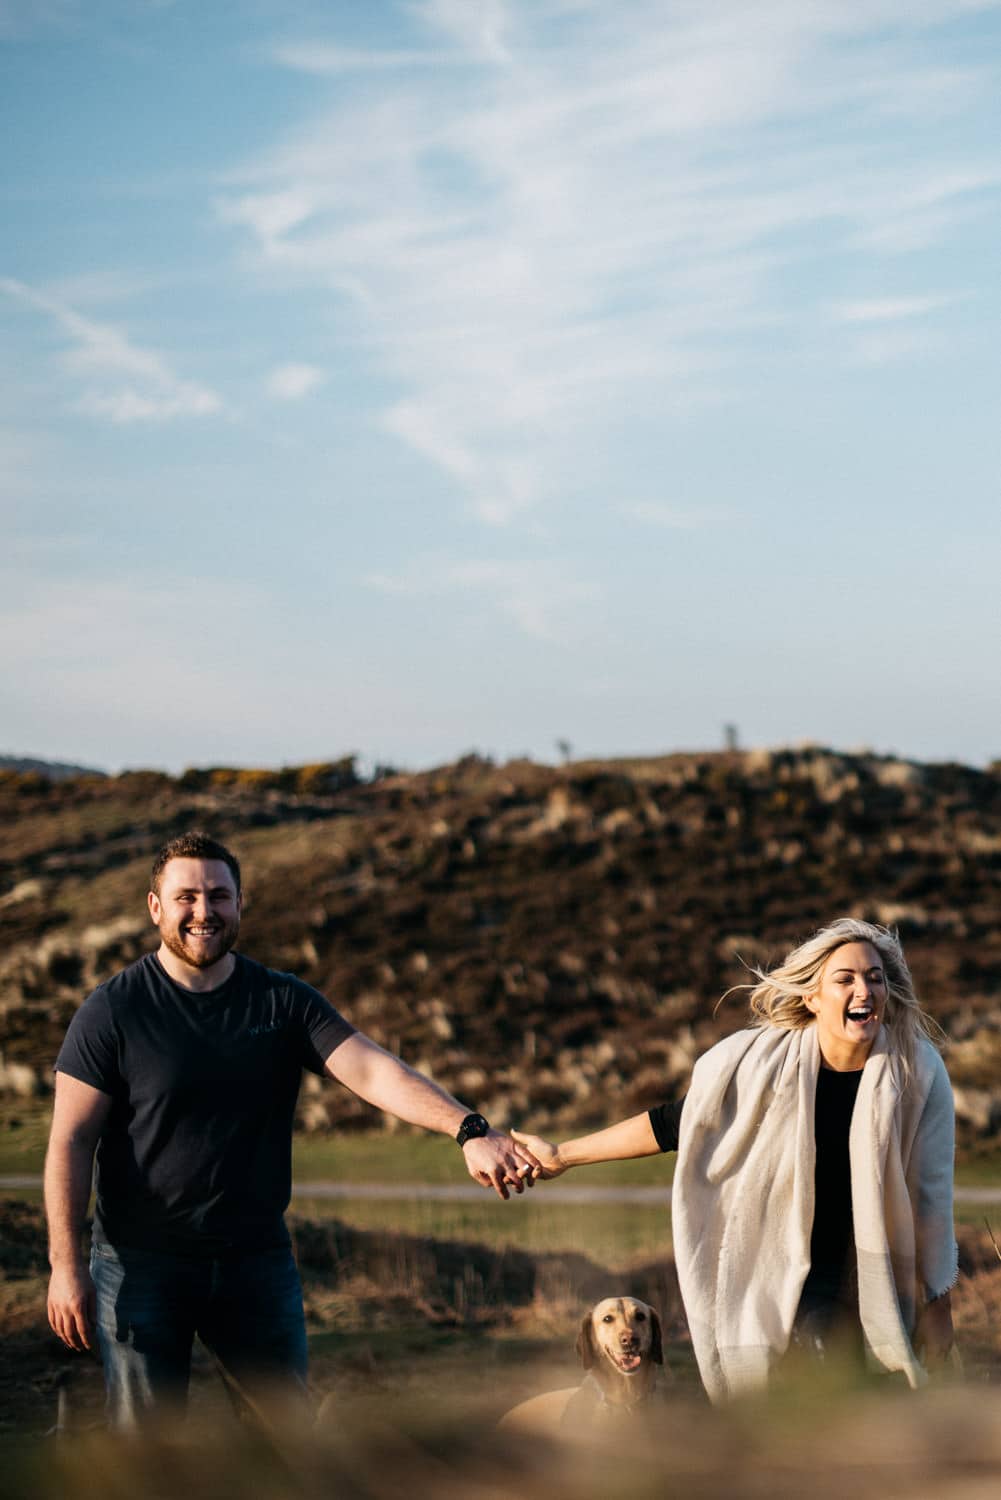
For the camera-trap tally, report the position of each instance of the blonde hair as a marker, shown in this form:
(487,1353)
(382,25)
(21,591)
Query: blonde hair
(779,998)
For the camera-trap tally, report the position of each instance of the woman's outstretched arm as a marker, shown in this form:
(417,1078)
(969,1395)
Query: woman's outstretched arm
(621,1142)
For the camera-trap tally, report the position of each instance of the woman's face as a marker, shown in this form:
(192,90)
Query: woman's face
(849,1004)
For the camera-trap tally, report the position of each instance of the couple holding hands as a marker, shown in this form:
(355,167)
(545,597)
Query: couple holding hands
(812,1198)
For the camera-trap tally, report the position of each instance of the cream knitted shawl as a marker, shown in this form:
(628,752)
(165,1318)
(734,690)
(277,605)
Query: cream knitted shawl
(743,1200)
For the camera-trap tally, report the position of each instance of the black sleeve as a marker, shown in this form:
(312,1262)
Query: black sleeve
(324,1028)
(90,1048)
(665,1120)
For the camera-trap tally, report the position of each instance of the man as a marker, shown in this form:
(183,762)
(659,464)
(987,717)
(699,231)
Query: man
(183,1071)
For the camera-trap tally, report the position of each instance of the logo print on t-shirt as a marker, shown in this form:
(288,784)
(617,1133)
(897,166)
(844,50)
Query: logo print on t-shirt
(265,1027)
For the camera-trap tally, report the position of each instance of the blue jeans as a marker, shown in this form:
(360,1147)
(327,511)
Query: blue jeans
(246,1309)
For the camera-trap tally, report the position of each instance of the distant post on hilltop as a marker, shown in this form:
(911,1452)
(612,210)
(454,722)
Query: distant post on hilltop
(566,750)
(731,740)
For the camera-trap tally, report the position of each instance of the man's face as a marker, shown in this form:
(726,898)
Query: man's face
(197,910)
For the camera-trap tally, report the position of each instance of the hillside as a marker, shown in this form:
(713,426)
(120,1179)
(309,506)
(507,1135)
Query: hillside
(549,942)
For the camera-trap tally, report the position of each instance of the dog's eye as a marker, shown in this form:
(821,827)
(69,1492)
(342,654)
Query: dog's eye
(641,1317)
(608,1318)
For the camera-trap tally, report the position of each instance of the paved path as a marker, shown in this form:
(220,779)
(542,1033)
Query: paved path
(442,1192)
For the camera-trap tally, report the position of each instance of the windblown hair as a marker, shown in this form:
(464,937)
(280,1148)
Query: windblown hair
(779,998)
(193,845)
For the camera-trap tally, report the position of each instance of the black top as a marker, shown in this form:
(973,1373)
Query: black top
(832,1241)
(196,1154)
(666,1122)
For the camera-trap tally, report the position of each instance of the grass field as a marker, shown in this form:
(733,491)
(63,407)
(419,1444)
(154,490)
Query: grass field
(414,1375)
(540,1220)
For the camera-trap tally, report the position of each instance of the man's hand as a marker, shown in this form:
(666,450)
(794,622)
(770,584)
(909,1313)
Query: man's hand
(498,1162)
(933,1336)
(544,1153)
(72,1306)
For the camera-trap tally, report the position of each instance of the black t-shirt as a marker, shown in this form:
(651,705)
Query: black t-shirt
(665,1121)
(832,1242)
(196,1154)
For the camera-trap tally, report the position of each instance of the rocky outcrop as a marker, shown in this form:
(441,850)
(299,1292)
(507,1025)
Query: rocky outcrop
(550,943)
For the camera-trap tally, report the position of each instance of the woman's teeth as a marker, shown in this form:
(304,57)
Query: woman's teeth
(861,1013)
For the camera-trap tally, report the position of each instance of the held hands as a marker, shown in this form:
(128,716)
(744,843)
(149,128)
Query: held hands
(544,1153)
(496,1161)
(72,1306)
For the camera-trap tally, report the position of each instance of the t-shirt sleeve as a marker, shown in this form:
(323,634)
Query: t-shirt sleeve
(90,1047)
(324,1028)
(665,1120)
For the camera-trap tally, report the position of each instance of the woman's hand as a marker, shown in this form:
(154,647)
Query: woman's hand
(546,1153)
(933,1336)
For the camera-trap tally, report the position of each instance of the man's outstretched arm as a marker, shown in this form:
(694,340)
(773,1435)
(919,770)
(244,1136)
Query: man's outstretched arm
(78,1118)
(494,1160)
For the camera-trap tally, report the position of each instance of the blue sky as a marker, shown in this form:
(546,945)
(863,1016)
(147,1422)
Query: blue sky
(409,378)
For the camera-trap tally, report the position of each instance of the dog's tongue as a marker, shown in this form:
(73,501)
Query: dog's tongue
(630,1361)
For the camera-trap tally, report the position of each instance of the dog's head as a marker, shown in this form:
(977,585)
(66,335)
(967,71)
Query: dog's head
(620,1334)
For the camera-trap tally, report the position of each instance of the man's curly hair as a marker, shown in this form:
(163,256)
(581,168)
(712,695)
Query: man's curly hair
(193,845)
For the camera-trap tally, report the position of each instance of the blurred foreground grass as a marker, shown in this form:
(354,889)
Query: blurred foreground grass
(823,1441)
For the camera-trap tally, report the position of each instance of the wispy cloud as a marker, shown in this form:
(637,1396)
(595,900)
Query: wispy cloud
(99,352)
(18,454)
(674,517)
(887,329)
(318,58)
(294,381)
(270,215)
(575,203)
(888,309)
(541,596)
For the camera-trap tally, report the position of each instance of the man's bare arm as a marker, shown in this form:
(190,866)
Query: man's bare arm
(377,1076)
(78,1118)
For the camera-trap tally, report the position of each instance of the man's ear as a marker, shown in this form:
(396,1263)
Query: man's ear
(585,1343)
(153,902)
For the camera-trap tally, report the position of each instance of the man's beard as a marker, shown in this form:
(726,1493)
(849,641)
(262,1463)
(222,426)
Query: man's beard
(202,955)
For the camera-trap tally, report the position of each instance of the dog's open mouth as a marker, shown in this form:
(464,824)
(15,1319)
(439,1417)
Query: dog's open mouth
(628,1361)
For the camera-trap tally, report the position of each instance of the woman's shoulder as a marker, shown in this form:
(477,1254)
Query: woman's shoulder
(928,1061)
(733,1048)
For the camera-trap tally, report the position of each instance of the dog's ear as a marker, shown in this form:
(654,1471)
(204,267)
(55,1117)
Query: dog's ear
(656,1338)
(586,1351)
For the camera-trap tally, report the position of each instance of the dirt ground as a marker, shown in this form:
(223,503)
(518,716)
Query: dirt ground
(392,1320)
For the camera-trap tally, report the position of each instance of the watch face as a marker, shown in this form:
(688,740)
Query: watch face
(471,1127)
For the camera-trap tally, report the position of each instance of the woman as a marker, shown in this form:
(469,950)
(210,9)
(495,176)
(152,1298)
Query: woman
(813,1190)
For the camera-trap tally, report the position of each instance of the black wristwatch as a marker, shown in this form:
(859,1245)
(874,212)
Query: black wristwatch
(471,1127)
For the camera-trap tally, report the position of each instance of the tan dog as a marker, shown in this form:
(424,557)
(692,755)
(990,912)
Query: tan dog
(620,1347)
